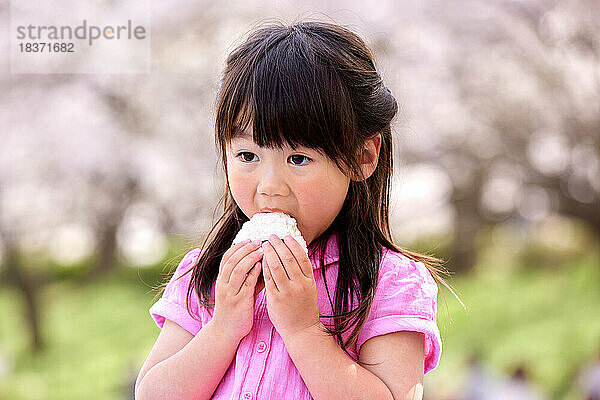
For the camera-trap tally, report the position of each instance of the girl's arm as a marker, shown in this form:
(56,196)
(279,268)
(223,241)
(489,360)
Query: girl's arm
(397,373)
(194,372)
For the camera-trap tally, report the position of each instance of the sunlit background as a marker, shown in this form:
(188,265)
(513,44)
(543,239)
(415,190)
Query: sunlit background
(106,180)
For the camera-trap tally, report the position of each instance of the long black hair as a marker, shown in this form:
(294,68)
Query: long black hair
(313,84)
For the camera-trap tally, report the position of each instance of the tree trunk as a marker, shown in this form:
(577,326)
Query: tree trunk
(467,224)
(107,253)
(28,286)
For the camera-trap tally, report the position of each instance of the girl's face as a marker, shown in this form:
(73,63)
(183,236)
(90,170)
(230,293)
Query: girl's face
(303,183)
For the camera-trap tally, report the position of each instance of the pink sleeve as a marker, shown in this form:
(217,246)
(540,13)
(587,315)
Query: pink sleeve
(172,304)
(405,300)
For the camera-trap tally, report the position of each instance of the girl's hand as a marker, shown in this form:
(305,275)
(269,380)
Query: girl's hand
(234,290)
(291,288)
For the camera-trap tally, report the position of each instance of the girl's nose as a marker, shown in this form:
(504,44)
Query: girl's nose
(272,182)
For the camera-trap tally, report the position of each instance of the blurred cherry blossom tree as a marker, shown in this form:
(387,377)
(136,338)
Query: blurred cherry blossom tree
(499,120)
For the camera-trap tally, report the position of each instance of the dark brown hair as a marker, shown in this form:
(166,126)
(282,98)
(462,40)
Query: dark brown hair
(313,84)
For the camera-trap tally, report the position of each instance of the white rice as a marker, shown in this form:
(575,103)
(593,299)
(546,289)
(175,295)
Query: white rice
(262,225)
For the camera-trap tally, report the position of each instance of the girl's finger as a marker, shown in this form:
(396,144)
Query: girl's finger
(238,275)
(229,265)
(290,264)
(269,282)
(234,248)
(276,269)
(300,255)
(251,278)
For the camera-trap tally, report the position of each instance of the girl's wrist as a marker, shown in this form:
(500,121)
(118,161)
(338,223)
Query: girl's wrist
(308,332)
(219,331)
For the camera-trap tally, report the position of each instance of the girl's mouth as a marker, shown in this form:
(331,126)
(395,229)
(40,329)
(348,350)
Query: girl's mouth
(275,210)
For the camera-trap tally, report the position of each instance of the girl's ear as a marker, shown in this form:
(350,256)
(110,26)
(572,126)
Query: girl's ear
(369,157)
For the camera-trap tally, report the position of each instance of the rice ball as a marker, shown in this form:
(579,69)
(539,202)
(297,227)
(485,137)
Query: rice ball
(262,225)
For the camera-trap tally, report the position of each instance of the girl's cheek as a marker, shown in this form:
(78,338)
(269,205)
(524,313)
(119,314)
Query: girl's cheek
(241,189)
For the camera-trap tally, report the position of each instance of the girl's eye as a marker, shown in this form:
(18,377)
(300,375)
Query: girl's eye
(296,159)
(299,157)
(245,154)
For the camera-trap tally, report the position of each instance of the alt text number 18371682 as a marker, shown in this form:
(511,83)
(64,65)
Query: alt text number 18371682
(47,47)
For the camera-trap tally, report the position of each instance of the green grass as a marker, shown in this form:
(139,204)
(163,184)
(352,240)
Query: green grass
(99,334)
(548,320)
(97,337)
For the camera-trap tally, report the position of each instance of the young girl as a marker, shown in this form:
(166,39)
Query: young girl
(303,127)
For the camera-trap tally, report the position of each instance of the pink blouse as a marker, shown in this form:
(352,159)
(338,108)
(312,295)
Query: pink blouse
(405,300)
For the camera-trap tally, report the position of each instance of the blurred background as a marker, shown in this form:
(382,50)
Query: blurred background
(106,180)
